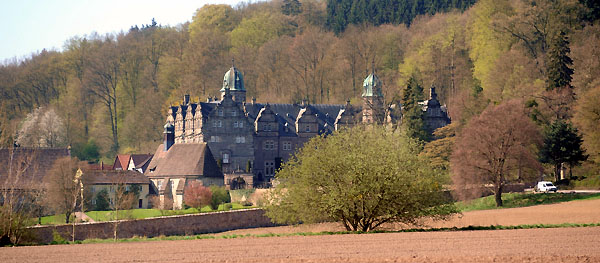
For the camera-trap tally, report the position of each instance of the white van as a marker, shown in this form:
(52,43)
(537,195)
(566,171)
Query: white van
(545,186)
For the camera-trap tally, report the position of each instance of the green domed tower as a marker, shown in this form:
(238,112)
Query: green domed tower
(373,111)
(234,81)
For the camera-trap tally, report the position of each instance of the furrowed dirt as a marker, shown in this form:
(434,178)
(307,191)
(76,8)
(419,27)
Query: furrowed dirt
(523,245)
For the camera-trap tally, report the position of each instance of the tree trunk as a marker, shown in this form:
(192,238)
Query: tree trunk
(557,172)
(498,195)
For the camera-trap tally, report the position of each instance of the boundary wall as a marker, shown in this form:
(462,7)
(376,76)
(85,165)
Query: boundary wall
(192,224)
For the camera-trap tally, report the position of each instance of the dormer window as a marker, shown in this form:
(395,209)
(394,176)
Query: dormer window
(267,127)
(225,158)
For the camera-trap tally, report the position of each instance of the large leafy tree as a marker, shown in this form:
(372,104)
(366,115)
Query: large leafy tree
(492,145)
(587,118)
(362,177)
(562,144)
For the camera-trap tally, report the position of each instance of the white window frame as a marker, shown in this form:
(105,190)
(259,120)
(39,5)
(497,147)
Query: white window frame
(269,145)
(287,146)
(233,113)
(240,139)
(267,127)
(235,124)
(220,112)
(269,168)
(225,157)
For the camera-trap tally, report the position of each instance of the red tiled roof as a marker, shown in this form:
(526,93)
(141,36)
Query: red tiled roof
(121,161)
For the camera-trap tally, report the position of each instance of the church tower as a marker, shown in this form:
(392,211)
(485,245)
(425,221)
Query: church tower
(234,81)
(373,110)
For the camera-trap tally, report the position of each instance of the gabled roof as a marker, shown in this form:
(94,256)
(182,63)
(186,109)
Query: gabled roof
(184,159)
(139,160)
(288,113)
(32,164)
(114,177)
(121,161)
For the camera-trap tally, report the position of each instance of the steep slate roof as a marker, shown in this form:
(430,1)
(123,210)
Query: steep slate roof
(114,177)
(288,113)
(37,161)
(184,159)
(141,160)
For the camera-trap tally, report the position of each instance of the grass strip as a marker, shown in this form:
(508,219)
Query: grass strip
(327,233)
(514,200)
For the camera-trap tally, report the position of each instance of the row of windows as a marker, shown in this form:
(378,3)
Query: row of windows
(232,112)
(236,124)
(238,139)
(270,145)
(269,127)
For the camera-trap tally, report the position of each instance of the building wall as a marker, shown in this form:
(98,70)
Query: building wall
(152,227)
(95,189)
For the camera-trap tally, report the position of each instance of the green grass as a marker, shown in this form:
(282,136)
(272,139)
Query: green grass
(53,220)
(205,236)
(511,200)
(147,213)
(100,216)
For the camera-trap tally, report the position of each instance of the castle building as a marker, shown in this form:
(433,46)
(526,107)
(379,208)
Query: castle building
(256,138)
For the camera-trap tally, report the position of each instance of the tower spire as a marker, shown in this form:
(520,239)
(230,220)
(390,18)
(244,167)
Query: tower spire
(373,66)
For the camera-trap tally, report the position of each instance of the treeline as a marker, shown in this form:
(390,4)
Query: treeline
(341,13)
(111,91)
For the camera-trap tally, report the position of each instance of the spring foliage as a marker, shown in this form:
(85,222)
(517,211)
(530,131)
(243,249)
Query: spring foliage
(362,177)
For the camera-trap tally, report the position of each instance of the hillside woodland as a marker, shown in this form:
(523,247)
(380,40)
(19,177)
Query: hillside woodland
(108,94)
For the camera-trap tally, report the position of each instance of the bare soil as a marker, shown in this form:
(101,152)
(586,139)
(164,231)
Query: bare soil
(524,245)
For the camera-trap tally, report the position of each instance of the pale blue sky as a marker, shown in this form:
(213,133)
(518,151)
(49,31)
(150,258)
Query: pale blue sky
(28,26)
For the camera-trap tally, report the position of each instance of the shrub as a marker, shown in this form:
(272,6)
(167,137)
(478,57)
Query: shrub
(220,195)
(102,203)
(196,195)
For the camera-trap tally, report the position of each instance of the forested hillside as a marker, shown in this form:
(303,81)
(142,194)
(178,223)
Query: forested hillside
(109,93)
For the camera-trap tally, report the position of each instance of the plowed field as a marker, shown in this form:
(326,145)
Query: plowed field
(525,245)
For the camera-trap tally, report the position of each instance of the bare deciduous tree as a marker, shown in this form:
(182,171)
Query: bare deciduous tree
(122,198)
(64,189)
(20,201)
(491,146)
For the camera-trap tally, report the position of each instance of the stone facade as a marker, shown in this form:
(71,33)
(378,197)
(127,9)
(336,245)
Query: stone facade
(193,224)
(257,138)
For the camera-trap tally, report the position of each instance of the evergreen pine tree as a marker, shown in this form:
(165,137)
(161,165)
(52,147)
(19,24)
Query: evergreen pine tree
(412,113)
(562,144)
(291,7)
(559,63)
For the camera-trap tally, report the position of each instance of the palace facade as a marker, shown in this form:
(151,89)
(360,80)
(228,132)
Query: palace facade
(256,138)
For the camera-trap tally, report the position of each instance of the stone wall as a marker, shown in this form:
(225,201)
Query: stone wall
(151,227)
